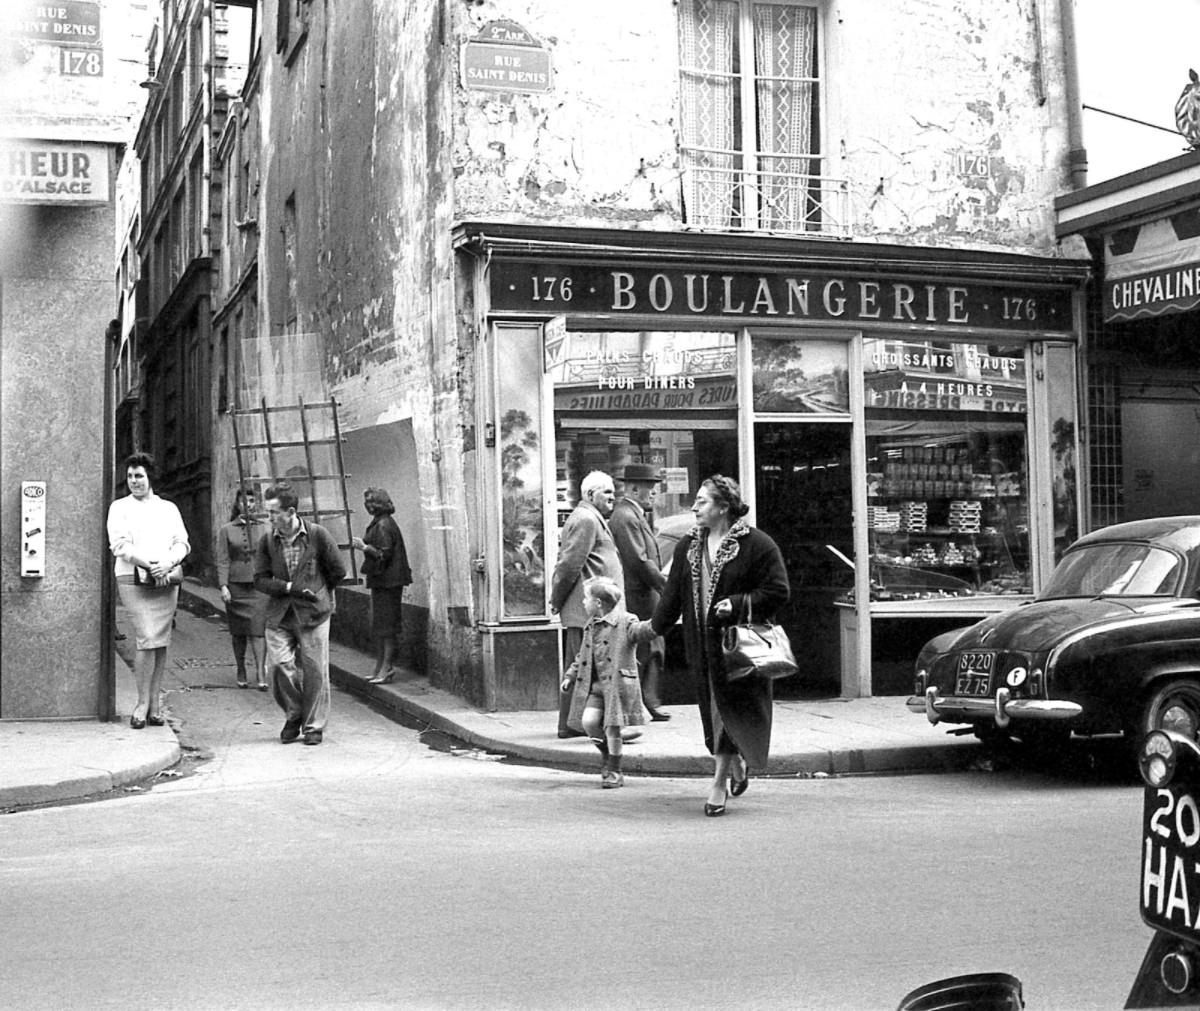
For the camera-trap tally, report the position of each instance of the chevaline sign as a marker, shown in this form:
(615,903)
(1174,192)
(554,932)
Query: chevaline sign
(505,57)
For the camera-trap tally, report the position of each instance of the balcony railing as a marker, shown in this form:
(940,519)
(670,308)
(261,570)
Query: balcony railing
(762,199)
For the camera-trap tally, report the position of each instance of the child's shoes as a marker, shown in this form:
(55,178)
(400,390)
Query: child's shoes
(610,779)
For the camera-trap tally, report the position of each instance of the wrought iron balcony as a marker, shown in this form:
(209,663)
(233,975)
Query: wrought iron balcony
(768,198)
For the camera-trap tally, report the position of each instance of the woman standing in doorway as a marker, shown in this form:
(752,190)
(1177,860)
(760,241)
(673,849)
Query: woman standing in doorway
(719,569)
(245,607)
(148,539)
(385,565)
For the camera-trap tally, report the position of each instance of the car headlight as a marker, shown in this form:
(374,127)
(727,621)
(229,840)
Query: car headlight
(1156,759)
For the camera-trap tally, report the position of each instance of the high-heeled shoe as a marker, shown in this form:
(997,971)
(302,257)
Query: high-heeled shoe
(715,810)
(136,722)
(383,679)
(155,721)
(739,786)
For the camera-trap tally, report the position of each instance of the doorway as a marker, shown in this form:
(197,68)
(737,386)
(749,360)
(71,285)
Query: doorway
(803,500)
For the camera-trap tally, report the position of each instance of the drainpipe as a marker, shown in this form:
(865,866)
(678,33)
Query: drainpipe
(1077,164)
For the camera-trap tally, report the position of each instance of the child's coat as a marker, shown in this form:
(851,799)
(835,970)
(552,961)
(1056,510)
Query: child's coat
(610,646)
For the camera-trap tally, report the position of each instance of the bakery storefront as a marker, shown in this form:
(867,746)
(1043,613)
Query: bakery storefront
(902,422)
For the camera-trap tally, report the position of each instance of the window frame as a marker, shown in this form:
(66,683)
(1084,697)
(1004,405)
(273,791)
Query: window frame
(749,176)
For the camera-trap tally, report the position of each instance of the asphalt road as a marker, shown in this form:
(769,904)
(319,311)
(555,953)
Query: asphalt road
(374,872)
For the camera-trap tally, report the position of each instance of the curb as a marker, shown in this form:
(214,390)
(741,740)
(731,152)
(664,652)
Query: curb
(941,757)
(90,782)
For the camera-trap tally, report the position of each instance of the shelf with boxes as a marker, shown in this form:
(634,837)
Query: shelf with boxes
(940,524)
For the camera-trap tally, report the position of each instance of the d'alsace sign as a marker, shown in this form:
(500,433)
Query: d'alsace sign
(776,296)
(53,172)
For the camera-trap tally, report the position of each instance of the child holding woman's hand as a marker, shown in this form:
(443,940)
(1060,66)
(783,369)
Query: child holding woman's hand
(607,694)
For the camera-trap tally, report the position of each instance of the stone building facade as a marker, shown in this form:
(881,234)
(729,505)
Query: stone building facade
(478,227)
(68,96)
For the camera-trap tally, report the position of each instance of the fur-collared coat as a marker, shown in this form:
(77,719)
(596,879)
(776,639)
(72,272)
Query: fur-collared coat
(609,654)
(748,568)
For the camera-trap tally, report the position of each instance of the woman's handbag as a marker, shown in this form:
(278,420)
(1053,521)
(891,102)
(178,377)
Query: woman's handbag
(757,650)
(142,577)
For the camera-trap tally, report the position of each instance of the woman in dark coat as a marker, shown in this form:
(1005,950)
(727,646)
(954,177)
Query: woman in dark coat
(719,568)
(245,607)
(385,565)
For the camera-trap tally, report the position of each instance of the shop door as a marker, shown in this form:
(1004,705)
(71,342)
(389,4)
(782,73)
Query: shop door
(802,498)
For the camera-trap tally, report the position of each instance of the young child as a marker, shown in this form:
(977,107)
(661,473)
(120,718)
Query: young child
(607,694)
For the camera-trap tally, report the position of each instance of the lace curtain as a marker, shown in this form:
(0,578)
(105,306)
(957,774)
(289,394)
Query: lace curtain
(721,186)
(709,95)
(785,47)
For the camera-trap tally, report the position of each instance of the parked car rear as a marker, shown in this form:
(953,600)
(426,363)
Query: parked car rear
(1111,644)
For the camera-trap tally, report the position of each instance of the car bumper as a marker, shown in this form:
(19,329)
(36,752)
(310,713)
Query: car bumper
(1000,709)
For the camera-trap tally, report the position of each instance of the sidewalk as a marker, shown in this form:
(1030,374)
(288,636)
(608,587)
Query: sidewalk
(54,762)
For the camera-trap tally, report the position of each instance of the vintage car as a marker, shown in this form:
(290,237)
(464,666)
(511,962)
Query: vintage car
(1111,644)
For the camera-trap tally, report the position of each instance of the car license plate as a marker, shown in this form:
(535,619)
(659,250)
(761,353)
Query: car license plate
(1170,885)
(974,674)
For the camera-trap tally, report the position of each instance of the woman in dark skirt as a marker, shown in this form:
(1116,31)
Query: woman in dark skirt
(245,607)
(719,569)
(385,565)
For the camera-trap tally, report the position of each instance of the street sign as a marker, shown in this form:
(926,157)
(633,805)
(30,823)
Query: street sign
(491,66)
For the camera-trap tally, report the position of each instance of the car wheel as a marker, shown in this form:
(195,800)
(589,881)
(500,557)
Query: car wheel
(1174,705)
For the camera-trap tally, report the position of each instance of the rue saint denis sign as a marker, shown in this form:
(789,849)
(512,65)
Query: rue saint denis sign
(777,296)
(68,22)
(505,57)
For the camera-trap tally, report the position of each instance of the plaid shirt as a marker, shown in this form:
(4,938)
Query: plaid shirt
(293,547)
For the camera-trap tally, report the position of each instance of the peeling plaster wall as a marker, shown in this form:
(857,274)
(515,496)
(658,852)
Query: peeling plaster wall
(359,131)
(946,118)
(600,148)
(958,135)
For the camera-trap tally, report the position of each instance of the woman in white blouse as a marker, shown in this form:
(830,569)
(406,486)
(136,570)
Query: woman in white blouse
(148,539)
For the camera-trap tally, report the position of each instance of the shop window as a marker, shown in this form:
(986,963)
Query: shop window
(947,469)
(750,79)
(666,399)
(523,570)
(1061,412)
(800,377)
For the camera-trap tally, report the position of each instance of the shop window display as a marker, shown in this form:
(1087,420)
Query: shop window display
(660,398)
(947,470)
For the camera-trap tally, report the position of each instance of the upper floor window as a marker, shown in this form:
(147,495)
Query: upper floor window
(750,93)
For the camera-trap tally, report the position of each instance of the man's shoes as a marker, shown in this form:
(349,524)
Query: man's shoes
(630,734)
(657,715)
(571,733)
(313,737)
(290,732)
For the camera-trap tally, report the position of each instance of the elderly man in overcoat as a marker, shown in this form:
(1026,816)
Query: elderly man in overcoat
(585,549)
(642,564)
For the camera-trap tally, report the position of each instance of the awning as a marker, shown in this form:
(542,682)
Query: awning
(1153,269)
